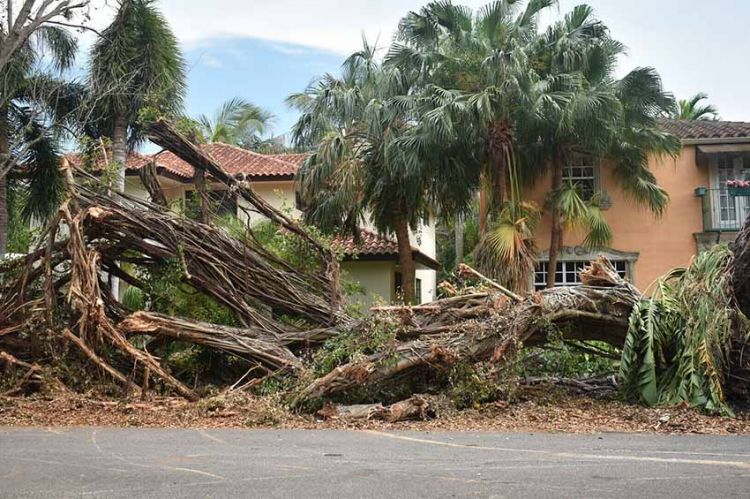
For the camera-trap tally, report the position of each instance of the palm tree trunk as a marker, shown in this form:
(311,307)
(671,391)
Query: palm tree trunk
(4,152)
(120,150)
(483,203)
(556,234)
(405,260)
(119,158)
(459,229)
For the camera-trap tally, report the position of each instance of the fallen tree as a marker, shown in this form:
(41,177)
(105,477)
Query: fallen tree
(58,296)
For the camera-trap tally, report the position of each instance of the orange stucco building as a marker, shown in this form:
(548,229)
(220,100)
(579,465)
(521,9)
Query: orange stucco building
(702,211)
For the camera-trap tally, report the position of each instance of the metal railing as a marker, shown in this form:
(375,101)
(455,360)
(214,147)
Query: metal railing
(724,210)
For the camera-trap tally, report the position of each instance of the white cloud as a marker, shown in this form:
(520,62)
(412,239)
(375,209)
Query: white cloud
(211,61)
(334,25)
(689,59)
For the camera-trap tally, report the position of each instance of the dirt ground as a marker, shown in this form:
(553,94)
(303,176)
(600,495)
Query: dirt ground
(550,411)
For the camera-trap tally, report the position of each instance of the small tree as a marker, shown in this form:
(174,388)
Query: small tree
(34,107)
(692,109)
(237,122)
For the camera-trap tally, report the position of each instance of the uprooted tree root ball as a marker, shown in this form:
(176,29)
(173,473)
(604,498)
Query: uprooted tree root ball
(290,336)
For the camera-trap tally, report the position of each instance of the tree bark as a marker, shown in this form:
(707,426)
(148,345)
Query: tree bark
(4,152)
(119,158)
(406,260)
(255,345)
(150,179)
(199,181)
(120,150)
(556,233)
(483,202)
(459,230)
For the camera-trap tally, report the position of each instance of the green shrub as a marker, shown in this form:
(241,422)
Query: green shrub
(378,334)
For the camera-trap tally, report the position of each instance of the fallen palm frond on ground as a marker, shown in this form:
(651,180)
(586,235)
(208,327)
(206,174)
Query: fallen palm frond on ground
(290,333)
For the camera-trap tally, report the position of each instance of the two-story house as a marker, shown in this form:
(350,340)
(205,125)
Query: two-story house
(703,209)
(372,262)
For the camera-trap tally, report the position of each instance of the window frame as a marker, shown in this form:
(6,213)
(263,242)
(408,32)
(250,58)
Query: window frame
(582,162)
(570,271)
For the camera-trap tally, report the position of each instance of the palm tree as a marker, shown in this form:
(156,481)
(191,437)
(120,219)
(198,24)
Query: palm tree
(237,122)
(484,57)
(477,83)
(362,168)
(135,65)
(604,119)
(692,109)
(34,106)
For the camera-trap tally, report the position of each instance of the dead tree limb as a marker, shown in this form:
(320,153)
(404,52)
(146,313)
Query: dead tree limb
(415,407)
(150,180)
(96,359)
(246,343)
(162,133)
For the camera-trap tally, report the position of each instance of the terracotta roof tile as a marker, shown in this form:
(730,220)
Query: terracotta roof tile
(372,244)
(235,160)
(134,161)
(697,130)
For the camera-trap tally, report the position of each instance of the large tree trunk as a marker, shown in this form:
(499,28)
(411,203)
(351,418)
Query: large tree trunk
(406,260)
(597,310)
(4,152)
(556,233)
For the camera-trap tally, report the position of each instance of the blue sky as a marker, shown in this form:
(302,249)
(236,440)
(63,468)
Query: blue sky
(263,51)
(259,70)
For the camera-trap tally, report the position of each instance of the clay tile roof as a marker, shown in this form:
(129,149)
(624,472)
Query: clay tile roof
(707,130)
(372,244)
(135,161)
(235,160)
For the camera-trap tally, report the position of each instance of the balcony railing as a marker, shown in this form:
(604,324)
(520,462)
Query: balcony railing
(724,210)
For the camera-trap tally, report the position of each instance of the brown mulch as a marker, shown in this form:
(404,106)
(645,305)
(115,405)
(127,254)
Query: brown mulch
(546,413)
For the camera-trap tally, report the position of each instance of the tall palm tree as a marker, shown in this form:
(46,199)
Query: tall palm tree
(692,109)
(34,104)
(477,83)
(484,57)
(237,122)
(363,168)
(607,120)
(135,65)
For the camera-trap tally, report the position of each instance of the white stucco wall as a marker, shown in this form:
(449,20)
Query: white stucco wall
(424,239)
(280,195)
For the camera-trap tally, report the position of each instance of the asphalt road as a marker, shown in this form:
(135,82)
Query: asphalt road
(106,462)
